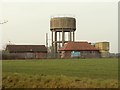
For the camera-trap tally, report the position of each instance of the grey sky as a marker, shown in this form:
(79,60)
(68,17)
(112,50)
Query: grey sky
(29,22)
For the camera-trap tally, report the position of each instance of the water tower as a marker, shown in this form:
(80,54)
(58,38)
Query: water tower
(104,48)
(63,30)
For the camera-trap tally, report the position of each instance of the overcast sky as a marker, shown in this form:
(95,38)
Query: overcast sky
(28,22)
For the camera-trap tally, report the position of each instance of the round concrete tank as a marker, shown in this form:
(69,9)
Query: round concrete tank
(103,46)
(66,23)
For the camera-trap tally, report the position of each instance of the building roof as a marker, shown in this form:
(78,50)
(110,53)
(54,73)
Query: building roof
(26,48)
(78,46)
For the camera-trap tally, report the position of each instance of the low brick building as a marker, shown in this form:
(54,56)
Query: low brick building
(27,51)
(79,50)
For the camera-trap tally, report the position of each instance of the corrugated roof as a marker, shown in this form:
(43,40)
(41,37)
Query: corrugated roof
(77,46)
(25,48)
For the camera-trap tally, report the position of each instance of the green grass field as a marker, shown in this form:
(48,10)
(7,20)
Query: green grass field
(78,73)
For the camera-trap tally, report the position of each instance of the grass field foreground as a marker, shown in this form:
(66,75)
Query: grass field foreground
(78,73)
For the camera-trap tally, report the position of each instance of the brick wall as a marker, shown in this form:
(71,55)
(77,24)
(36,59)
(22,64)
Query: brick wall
(25,55)
(41,55)
(84,54)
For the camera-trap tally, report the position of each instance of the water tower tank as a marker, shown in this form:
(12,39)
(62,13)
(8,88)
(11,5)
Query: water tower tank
(62,28)
(66,23)
(103,46)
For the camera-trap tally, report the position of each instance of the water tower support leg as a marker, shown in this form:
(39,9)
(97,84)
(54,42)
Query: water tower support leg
(73,36)
(70,36)
(52,38)
(62,38)
(55,42)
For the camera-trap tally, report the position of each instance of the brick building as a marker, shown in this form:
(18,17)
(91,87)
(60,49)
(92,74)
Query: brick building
(79,50)
(27,51)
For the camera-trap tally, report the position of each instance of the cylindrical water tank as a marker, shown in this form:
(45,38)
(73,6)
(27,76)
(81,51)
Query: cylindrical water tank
(63,23)
(104,46)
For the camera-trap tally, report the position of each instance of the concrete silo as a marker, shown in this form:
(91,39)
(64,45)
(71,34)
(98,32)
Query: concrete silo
(104,48)
(59,26)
